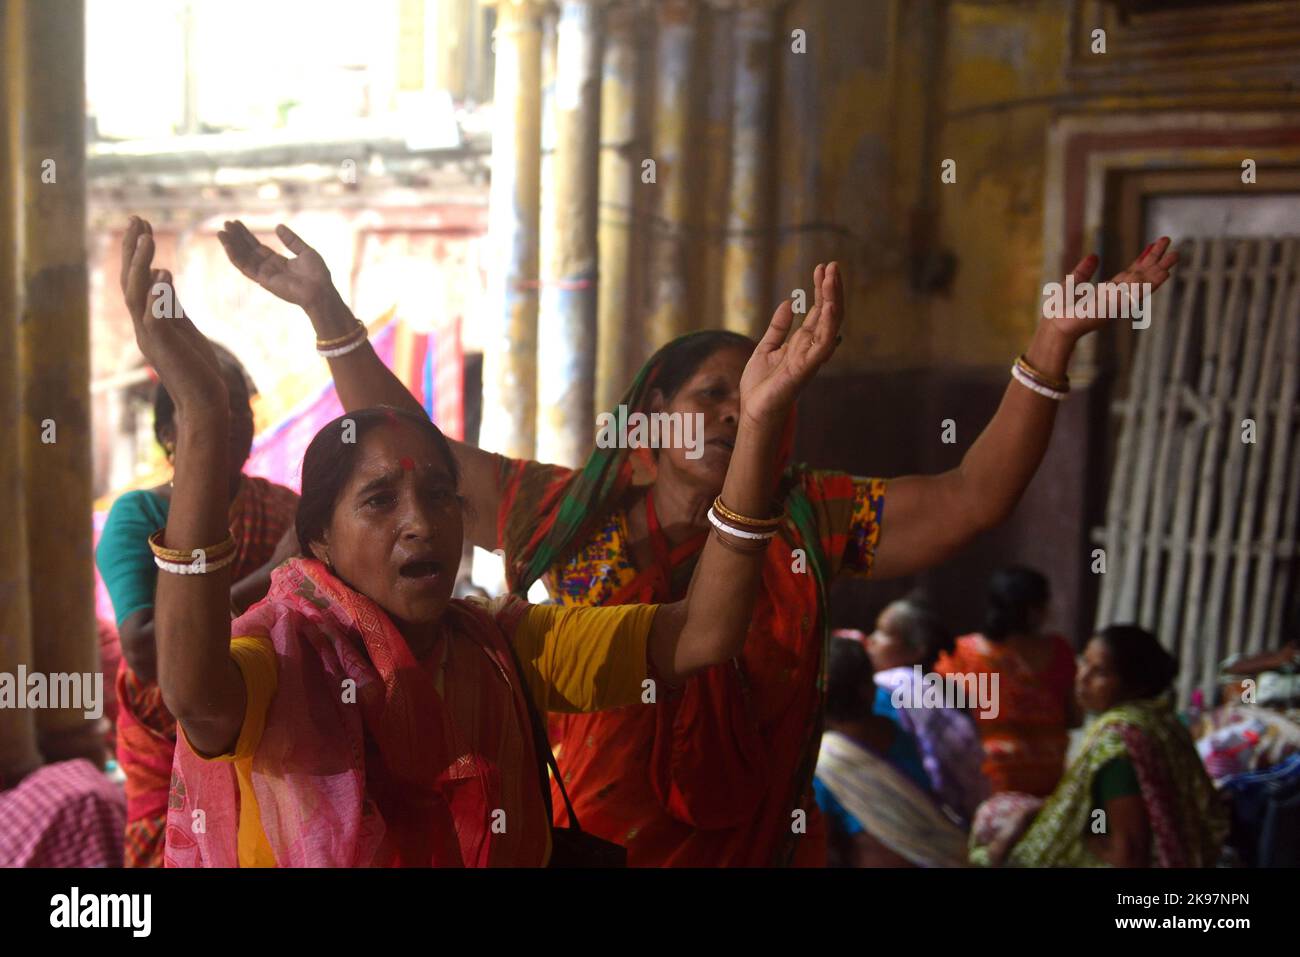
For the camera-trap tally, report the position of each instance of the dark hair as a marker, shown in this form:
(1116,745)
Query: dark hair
(681,358)
(232,370)
(848,671)
(328,463)
(1014,594)
(922,627)
(1145,669)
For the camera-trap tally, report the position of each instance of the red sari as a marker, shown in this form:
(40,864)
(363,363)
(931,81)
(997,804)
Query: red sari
(719,772)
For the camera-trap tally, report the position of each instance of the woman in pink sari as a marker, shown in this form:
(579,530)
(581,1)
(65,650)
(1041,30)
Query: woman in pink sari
(361,716)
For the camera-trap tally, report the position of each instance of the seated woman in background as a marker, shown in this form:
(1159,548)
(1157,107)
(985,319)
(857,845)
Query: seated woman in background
(1137,795)
(876,816)
(909,633)
(259,514)
(361,716)
(1025,744)
(903,751)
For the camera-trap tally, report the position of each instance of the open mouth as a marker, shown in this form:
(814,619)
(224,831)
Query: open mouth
(421,569)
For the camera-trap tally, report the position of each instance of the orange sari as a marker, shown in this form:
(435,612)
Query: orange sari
(1025,745)
(719,772)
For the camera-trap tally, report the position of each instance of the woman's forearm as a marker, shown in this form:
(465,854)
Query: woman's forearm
(199,681)
(362,381)
(137,641)
(931,517)
(251,589)
(719,604)
(998,467)
(360,376)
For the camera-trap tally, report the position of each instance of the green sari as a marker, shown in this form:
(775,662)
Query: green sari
(1187,819)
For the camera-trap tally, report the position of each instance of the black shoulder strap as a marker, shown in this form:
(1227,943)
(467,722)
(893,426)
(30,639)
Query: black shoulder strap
(542,745)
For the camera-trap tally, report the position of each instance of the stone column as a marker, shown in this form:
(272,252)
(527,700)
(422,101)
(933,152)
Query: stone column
(745,299)
(567,319)
(510,347)
(668,315)
(54,346)
(18,751)
(624,144)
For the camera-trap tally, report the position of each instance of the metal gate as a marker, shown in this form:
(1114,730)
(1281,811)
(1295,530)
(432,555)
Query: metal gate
(1201,520)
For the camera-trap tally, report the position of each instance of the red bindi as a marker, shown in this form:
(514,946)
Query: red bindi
(407,464)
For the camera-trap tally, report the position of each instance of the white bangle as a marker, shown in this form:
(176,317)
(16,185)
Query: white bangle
(722,526)
(342,350)
(196,567)
(1032,386)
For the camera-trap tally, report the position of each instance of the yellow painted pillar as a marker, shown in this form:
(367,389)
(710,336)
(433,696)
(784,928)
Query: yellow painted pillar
(623,145)
(55,360)
(669,315)
(708,244)
(746,302)
(566,363)
(18,751)
(510,346)
(800,232)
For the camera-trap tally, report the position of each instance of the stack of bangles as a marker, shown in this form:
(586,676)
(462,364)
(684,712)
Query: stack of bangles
(198,561)
(1035,380)
(341,346)
(757,532)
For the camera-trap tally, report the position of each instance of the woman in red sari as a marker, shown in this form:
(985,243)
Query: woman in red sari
(720,774)
(1025,742)
(259,513)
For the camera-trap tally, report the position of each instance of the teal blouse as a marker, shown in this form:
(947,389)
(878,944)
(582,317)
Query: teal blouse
(123,556)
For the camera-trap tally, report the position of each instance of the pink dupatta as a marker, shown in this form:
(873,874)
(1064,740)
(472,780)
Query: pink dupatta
(409,766)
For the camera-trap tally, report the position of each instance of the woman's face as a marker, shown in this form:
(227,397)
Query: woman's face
(396,532)
(1097,684)
(886,647)
(714,392)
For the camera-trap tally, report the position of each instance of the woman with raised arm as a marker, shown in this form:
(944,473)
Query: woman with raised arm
(720,773)
(360,715)
(260,515)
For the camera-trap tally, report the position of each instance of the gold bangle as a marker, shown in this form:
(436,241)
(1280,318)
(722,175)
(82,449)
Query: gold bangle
(1041,377)
(359,329)
(744,521)
(180,556)
(195,566)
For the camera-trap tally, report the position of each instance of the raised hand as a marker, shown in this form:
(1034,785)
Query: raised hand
(1152,266)
(780,366)
(303,280)
(181,355)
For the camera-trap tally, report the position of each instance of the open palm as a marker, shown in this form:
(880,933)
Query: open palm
(302,280)
(1153,266)
(780,366)
(181,355)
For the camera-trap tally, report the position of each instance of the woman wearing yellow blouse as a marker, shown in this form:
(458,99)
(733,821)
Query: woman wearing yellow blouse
(361,717)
